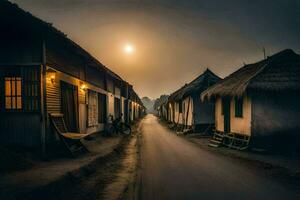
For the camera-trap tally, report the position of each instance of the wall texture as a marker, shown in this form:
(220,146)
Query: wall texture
(275,114)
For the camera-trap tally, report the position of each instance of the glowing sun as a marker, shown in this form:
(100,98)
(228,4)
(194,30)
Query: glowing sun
(129,49)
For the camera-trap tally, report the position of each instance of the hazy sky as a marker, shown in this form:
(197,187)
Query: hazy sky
(174,40)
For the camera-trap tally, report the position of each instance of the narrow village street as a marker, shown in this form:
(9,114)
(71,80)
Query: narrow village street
(149,100)
(174,168)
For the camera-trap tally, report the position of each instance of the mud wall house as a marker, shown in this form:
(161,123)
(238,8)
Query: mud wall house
(43,72)
(189,110)
(261,100)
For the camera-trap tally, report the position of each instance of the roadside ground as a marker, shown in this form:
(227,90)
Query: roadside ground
(90,176)
(283,167)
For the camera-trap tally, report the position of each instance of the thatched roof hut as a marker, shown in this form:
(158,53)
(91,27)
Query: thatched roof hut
(278,72)
(260,101)
(185,107)
(202,82)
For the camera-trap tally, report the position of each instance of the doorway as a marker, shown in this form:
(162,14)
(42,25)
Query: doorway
(226,113)
(126,108)
(69,105)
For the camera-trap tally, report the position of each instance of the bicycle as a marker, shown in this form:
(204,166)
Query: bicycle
(117,126)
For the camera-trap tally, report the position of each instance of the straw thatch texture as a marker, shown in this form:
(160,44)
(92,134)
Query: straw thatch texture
(278,72)
(201,83)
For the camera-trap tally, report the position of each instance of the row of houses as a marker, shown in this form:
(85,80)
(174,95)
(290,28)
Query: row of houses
(184,108)
(42,71)
(257,105)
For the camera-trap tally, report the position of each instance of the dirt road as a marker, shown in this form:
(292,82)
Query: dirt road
(174,168)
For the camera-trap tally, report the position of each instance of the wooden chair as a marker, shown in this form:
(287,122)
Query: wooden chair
(72,141)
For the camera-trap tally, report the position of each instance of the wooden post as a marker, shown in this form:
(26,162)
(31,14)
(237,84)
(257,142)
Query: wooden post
(43,101)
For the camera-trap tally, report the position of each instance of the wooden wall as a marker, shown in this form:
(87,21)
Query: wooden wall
(20,128)
(23,129)
(53,98)
(95,77)
(62,57)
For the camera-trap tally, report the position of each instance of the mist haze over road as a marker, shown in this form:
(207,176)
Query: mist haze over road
(148,103)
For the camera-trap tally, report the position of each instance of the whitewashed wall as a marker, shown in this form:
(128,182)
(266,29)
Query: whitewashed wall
(177,114)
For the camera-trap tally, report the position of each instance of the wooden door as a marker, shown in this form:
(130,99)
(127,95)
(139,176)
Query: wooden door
(69,105)
(226,112)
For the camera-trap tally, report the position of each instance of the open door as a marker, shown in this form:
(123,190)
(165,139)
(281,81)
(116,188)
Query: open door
(226,113)
(69,105)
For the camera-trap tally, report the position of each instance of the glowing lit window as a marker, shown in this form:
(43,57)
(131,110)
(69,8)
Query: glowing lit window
(13,93)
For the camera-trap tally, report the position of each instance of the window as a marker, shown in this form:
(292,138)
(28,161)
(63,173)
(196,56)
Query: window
(238,107)
(31,88)
(20,89)
(13,93)
(102,108)
(92,108)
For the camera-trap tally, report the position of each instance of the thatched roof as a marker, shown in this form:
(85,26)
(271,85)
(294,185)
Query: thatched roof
(162,100)
(276,73)
(198,85)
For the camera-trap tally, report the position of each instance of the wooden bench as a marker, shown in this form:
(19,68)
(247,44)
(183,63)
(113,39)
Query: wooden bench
(236,141)
(231,140)
(72,141)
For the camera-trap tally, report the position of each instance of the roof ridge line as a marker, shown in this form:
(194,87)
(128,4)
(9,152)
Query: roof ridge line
(271,60)
(254,75)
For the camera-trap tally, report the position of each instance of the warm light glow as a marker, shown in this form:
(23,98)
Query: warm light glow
(51,75)
(129,49)
(52,78)
(82,86)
